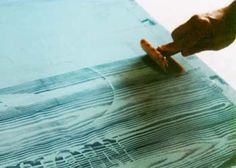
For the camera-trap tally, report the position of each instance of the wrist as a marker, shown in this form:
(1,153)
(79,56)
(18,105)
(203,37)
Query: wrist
(230,16)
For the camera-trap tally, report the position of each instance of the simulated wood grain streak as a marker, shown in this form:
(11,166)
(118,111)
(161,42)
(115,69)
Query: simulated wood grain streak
(122,114)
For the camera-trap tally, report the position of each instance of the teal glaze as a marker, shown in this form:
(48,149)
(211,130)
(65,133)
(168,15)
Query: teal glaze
(124,114)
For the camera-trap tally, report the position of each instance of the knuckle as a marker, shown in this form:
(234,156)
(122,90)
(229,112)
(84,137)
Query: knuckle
(195,18)
(176,34)
(201,25)
(204,21)
(200,20)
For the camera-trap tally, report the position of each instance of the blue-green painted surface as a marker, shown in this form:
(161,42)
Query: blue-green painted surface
(45,37)
(78,112)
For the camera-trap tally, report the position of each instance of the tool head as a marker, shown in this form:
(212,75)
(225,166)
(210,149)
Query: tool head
(154,54)
(167,64)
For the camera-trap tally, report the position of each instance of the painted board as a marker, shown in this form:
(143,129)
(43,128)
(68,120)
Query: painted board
(59,108)
(121,114)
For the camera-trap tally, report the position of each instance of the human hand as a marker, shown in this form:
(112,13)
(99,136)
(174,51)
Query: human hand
(209,31)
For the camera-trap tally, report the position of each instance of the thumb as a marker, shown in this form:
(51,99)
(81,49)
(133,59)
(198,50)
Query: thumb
(169,49)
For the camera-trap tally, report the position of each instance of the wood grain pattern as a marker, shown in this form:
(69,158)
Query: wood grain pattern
(122,114)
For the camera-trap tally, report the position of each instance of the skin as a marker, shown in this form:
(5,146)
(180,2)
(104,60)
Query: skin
(209,31)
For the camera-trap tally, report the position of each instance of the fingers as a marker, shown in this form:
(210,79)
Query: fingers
(215,44)
(198,47)
(180,32)
(199,24)
(173,48)
(190,33)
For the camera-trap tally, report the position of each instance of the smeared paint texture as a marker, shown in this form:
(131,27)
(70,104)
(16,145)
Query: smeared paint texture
(107,154)
(73,119)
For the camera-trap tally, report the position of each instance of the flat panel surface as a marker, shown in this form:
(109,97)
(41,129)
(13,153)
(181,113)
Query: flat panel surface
(40,38)
(122,114)
(59,108)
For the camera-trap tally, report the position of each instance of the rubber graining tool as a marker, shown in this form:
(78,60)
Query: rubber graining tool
(162,58)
